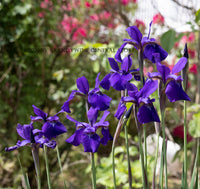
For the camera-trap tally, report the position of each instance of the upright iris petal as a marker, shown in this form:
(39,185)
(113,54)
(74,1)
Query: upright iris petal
(40,115)
(83,85)
(146,45)
(119,79)
(95,97)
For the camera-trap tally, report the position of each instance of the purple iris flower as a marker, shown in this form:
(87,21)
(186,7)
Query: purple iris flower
(31,136)
(52,127)
(145,44)
(119,79)
(85,133)
(172,83)
(146,112)
(95,97)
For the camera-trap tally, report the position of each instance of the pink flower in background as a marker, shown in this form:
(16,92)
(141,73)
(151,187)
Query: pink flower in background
(41,14)
(87,4)
(110,25)
(94,17)
(140,24)
(191,53)
(95,2)
(158,19)
(176,44)
(148,69)
(43,5)
(69,23)
(191,37)
(193,69)
(125,2)
(105,15)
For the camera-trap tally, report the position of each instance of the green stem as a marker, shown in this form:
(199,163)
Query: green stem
(35,154)
(141,65)
(145,147)
(47,167)
(24,174)
(93,171)
(60,165)
(113,165)
(142,160)
(128,157)
(164,148)
(195,166)
(156,159)
(144,178)
(185,146)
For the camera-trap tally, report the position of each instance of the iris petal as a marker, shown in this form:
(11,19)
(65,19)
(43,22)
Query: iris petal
(147,113)
(174,92)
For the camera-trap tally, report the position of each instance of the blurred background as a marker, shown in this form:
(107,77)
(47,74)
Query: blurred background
(46,45)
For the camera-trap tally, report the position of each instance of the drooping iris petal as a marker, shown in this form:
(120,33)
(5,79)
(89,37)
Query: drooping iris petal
(118,53)
(91,142)
(99,101)
(8,149)
(113,64)
(76,138)
(83,85)
(106,136)
(126,77)
(179,65)
(116,83)
(147,113)
(51,130)
(23,143)
(40,114)
(105,82)
(135,34)
(175,92)
(150,49)
(149,87)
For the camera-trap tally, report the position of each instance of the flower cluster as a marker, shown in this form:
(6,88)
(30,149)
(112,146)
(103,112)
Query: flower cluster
(120,78)
(51,128)
(96,101)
